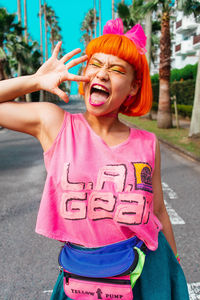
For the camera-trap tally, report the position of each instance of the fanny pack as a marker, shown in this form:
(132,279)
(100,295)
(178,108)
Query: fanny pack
(109,272)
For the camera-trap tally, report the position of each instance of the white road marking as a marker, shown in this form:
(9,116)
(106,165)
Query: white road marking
(48,292)
(174,217)
(194,290)
(171,194)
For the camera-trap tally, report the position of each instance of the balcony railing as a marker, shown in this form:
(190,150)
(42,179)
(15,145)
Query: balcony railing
(178,24)
(186,25)
(196,39)
(178,48)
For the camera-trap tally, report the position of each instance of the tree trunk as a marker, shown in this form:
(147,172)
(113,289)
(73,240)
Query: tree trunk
(28,96)
(52,39)
(113,10)
(19,20)
(41,46)
(95,20)
(195,121)
(19,11)
(45,28)
(41,38)
(99,17)
(164,116)
(25,22)
(148,31)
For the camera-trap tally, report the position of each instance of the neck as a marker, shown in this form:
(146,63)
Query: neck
(105,123)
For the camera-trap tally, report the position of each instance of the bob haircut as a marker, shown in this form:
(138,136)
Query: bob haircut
(124,48)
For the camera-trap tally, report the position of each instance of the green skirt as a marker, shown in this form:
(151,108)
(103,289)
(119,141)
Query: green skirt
(162,277)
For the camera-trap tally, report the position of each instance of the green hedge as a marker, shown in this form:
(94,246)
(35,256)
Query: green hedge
(186,73)
(183,110)
(184,91)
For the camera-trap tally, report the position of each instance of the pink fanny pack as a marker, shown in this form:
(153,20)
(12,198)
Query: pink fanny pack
(82,288)
(105,273)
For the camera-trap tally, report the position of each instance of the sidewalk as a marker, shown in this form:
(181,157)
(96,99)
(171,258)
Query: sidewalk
(169,137)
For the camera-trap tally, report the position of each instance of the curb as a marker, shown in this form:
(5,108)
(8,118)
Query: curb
(170,145)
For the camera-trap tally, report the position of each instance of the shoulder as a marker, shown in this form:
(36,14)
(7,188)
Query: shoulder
(51,115)
(144,134)
(51,120)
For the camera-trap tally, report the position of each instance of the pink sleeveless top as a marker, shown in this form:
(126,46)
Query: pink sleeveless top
(94,194)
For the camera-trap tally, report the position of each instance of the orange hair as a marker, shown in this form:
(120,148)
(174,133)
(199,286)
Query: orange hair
(124,48)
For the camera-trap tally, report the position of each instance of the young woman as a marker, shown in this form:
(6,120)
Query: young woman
(103,191)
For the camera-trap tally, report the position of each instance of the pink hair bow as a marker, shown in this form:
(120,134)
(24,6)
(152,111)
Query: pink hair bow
(135,34)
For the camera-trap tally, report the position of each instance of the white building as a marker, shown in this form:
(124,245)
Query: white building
(185,41)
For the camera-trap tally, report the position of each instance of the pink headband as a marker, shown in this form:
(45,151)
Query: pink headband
(135,34)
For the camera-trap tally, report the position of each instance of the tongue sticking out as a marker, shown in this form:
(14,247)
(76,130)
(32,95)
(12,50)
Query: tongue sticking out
(98,97)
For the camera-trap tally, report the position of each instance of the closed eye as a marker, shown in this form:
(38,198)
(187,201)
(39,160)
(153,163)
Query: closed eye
(95,64)
(117,70)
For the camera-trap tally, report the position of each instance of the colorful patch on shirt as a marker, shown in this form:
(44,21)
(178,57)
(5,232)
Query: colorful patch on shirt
(143,176)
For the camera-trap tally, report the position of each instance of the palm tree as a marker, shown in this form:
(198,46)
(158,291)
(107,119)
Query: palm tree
(193,7)
(137,13)
(8,29)
(134,15)
(87,27)
(51,26)
(164,116)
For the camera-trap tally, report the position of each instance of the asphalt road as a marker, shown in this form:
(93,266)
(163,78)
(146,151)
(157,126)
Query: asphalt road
(28,262)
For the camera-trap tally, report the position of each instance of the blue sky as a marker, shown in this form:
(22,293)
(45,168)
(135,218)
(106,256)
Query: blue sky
(70,13)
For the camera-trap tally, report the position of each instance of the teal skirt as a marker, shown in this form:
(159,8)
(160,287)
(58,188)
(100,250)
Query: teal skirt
(162,277)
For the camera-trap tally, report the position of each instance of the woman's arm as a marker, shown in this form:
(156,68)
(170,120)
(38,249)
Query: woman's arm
(48,77)
(159,205)
(32,118)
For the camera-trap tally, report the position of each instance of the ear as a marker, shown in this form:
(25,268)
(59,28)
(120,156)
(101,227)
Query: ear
(135,86)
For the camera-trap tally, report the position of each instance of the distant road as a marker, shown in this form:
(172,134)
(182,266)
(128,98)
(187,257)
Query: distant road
(28,262)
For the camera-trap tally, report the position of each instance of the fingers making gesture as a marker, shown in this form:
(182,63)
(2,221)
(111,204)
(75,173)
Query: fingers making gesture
(54,71)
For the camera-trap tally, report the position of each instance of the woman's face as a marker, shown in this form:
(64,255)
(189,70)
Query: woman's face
(111,82)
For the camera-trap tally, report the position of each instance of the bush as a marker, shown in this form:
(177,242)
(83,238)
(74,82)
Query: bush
(155,89)
(183,110)
(184,91)
(186,73)
(154,78)
(155,106)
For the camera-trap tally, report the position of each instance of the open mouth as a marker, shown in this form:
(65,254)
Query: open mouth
(98,95)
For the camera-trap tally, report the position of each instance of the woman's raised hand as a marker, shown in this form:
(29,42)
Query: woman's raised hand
(53,72)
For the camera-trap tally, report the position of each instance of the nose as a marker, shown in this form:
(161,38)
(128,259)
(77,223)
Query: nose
(102,74)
